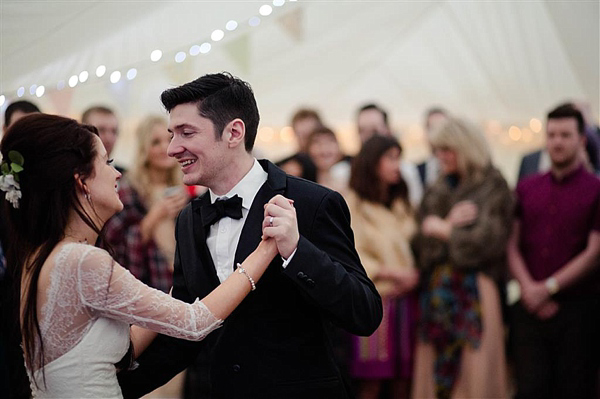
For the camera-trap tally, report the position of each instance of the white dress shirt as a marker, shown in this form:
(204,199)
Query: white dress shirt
(224,235)
(410,174)
(545,162)
(432,171)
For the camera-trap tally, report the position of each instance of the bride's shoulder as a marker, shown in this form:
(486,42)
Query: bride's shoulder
(82,255)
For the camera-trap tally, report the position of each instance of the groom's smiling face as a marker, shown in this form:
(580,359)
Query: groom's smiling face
(203,158)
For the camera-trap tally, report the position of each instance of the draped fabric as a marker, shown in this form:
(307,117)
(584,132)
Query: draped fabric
(451,319)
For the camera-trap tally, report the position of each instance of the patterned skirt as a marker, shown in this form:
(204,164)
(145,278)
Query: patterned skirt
(388,352)
(483,371)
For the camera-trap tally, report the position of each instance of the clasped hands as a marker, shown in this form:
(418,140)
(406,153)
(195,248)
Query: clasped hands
(280,223)
(461,214)
(537,300)
(404,280)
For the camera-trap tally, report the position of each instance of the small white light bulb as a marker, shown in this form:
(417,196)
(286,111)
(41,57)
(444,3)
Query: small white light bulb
(73,81)
(231,25)
(217,35)
(83,76)
(205,48)
(194,50)
(265,10)
(131,74)
(156,55)
(180,57)
(100,71)
(115,77)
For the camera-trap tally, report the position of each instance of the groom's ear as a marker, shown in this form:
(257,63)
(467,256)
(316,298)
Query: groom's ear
(234,133)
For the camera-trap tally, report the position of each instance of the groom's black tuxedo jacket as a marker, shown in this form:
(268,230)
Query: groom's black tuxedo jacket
(276,343)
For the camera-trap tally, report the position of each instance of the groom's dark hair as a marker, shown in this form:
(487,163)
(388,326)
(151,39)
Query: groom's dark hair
(221,98)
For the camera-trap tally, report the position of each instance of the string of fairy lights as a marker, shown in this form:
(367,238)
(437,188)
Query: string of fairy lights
(156,55)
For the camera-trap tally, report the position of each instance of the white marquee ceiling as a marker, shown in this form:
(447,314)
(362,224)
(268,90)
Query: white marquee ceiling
(506,61)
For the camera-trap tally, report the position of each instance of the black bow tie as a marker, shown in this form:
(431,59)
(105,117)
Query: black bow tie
(231,207)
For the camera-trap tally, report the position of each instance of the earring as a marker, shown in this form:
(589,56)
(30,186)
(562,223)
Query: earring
(87,197)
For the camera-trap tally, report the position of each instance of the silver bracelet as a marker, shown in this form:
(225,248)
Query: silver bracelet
(241,270)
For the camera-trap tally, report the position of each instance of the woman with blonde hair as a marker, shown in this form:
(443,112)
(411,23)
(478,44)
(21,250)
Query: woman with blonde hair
(142,234)
(383,224)
(464,223)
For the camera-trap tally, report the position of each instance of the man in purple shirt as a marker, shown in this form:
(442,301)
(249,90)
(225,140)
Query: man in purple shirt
(553,253)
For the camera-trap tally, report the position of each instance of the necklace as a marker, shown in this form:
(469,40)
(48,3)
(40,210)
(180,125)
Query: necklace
(79,240)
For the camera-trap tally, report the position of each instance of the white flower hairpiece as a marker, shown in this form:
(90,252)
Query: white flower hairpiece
(9,180)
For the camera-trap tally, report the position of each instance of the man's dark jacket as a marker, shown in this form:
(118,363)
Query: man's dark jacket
(276,343)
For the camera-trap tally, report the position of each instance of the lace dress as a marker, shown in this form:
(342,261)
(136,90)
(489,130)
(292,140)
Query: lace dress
(88,302)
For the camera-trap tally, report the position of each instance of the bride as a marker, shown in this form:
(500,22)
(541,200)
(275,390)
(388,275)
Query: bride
(76,302)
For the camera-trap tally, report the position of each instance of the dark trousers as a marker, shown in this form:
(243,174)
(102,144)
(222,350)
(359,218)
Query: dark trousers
(556,358)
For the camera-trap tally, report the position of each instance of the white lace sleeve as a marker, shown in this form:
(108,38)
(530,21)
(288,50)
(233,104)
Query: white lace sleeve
(107,289)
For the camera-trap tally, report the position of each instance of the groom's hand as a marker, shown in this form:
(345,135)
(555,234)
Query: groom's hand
(280,223)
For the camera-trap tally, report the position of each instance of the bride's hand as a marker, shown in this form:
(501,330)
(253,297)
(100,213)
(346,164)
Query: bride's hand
(268,246)
(281,223)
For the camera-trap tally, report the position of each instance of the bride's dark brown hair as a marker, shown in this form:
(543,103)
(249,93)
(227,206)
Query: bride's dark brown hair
(54,149)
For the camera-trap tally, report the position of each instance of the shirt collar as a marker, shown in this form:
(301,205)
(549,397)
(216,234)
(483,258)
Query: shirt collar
(247,187)
(569,176)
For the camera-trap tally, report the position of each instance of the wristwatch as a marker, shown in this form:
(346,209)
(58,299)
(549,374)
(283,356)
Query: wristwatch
(552,285)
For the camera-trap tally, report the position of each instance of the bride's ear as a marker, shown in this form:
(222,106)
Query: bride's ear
(81,186)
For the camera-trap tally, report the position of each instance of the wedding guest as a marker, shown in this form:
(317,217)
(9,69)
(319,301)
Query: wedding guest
(371,119)
(16,110)
(553,253)
(142,235)
(539,161)
(105,120)
(429,169)
(324,149)
(304,122)
(299,165)
(383,225)
(464,223)
(75,304)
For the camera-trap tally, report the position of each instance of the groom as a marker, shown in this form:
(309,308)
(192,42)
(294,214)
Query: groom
(276,343)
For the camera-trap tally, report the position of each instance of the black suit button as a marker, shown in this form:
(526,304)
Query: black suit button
(310,282)
(236,368)
(301,275)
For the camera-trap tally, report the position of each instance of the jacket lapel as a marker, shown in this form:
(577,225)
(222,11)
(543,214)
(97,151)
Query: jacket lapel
(252,230)
(204,269)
